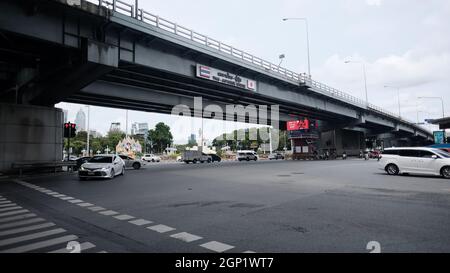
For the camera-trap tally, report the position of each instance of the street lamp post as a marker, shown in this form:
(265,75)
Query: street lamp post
(365,77)
(307,40)
(437,98)
(398,94)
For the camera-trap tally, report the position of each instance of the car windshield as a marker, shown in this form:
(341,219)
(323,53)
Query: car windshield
(101,159)
(442,153)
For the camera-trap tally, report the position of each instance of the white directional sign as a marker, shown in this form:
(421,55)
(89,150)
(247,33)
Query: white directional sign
(209,73)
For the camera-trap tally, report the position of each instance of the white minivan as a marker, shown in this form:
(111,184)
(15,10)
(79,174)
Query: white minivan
(426,161)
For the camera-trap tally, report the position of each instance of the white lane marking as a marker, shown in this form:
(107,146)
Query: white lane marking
(53,193)
(96,208)
(23,216)
(217,246)
(31,236)
(140,222)
(46,191)
(85,205)
(21,223)
(186,237)
(8,205)
(124,217)
(5,202)
(249,252)
(109,212)
(2,199)
(76,201)
(102,252)
(161,228)
(59,195)
(41,244)
(83,246)
(10,208)
(13,212)
(67,198)
(23,229)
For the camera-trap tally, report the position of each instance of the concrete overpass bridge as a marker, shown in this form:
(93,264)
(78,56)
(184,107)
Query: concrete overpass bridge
(115,54)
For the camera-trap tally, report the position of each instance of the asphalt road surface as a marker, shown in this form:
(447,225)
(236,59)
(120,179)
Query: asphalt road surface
(231,207)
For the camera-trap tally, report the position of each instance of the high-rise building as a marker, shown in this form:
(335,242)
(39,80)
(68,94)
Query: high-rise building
(192,139)
(115,126)
(80,120)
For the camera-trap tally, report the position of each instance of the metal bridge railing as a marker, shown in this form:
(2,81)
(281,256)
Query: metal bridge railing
(139,14)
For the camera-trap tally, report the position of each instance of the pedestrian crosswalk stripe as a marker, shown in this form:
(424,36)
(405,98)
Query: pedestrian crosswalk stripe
(8,205)
(21,223)
(24,229)
(23,238)
(13,212)
(41,244)
(19,217)
(10,208)
(5,202)
(83,247)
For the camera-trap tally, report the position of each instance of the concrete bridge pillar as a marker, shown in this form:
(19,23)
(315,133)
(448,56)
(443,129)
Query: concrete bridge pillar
(30,134)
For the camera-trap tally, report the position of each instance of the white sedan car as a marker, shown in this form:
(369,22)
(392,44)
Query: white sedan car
(102,166)
(151,158)
(422,161)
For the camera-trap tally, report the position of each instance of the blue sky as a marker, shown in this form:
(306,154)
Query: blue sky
(403,43)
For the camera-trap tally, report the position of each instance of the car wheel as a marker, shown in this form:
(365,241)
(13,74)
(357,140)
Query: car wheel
(123,171)
(209,160)
(248,159)
(446,172)
(256,159)
(136,166)
(194,161)
(392,169)
(112,174)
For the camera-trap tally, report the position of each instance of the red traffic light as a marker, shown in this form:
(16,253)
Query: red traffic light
(73,126)
(66,125)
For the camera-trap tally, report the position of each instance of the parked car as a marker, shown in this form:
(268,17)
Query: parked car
(214,157)
(102,166)
(131,162)
(246,156)
(195,157)
(80,161)
(425,161)
(151,158)
(276,156)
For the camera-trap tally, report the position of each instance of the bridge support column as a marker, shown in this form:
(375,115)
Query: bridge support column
(29,134)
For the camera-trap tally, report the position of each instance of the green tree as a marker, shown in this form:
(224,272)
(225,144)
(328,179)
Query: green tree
(160,137)
(113,138)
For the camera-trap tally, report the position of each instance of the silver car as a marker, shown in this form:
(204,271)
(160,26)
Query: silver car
(131,162)
(102,166)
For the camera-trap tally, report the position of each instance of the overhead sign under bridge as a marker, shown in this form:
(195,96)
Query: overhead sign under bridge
(212,74)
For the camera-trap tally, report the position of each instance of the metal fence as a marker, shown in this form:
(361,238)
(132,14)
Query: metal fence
(134,11)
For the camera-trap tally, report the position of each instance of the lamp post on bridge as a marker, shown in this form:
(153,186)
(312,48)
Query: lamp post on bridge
(398,94)
(365,77)
(307,39)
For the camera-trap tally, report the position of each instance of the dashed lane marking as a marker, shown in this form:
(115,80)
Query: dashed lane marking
(161,228)
(76,201)
(96,208)
(109,212)
(217,246)
(85,204)
(124,217)
(186,237)
(140,222)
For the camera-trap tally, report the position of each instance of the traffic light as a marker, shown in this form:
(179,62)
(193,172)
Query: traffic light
(70,130)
